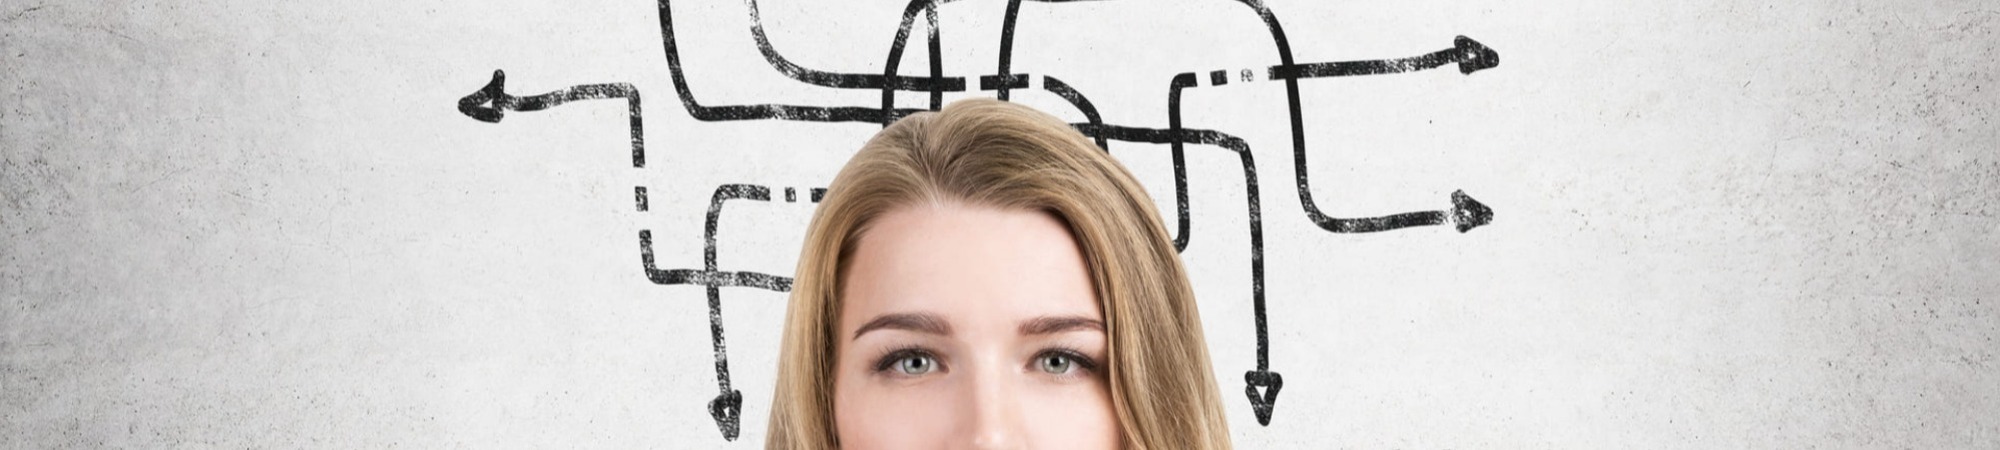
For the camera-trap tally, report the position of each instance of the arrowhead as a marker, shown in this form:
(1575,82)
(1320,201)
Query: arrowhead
(1262,403)
(727,408)
(1469,213)
(1477,56)
(482,105)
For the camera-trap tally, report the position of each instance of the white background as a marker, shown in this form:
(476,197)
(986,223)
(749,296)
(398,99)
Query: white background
(1717,224)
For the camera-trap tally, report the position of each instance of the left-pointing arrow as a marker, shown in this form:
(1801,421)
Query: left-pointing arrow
(491,103)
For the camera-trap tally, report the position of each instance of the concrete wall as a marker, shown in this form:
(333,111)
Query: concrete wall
(1716,224)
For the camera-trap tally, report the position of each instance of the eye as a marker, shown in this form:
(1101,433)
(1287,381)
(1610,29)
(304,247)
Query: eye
(915,365)
(907,362)
(1055,363)
(1063,361)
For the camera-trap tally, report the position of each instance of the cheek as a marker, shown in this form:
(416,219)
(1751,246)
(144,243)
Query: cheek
(873,415)
(1074,417)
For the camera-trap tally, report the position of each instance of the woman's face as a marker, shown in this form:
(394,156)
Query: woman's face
(970,327)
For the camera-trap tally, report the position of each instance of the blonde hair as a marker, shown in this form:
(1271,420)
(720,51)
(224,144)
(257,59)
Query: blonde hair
(994,153)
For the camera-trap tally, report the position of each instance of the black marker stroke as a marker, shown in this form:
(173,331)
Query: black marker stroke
(759,111)
(727,407)
(1471,57)
(1082,104)
(1252,199)
(1466,213)
(491,103)
(1007,41)
(815,77)
(937,58)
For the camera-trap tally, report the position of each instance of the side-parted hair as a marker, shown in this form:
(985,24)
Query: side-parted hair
(992,153)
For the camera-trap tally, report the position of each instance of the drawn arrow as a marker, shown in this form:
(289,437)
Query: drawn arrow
(1262,404)
(727,407)
(1466,213)
(491,103)
(1263,384)
(1468,54)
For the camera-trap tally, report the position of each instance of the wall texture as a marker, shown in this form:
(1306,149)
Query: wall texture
(1716,224)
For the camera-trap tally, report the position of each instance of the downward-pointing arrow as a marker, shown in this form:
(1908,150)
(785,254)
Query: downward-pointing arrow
(727,409)
(1263,403)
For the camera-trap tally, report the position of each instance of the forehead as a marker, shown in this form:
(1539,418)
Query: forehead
(967,262)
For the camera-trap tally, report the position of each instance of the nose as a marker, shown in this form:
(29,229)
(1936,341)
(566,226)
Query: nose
(995,413)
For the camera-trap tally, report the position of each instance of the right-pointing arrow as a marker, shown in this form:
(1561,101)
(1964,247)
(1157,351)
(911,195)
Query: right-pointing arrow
(1470,56)
(1474,56)
(1465,213)
(1468,213)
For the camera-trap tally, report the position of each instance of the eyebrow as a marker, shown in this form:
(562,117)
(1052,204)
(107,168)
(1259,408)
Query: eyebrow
(932,324)
(918,322)
(1058,324)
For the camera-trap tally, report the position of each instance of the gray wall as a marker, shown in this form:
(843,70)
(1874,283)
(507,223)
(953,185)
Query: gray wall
(1717,224)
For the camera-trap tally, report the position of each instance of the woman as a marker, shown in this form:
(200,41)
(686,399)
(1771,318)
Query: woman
(985,277)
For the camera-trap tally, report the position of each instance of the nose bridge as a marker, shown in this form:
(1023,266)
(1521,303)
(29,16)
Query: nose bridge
(994,406)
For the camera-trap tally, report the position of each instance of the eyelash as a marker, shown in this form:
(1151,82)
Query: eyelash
(893,356)
(1075,357)
(888,361)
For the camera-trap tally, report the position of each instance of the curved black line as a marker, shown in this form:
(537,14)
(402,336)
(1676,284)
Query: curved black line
(1007,41)
(843,80)
(1177,136)
(1290,72)
(896,52)
(888,82)
(937,58)
(1081,103)
(1469,55)
(1468,213)
(495,94)
(726,408)
(1262,406)
(1179,155)
(1003,82)
(759,111)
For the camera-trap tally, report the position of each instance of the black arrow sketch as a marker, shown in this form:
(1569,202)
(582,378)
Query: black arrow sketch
(727,407)
(803,113)
(1261,404)
(1466,213)
(491,103)
(1470,55)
